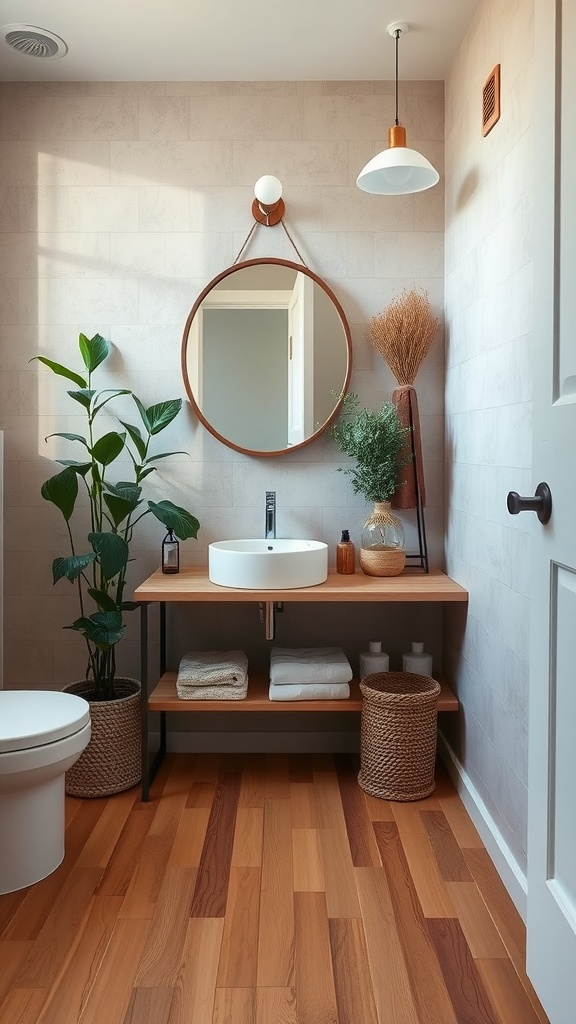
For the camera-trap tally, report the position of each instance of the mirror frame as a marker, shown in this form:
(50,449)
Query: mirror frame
(345,326)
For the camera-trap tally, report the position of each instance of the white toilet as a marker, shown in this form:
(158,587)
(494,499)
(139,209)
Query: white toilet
(42,734)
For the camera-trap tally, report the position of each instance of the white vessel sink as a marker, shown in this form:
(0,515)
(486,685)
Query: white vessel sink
(268,564)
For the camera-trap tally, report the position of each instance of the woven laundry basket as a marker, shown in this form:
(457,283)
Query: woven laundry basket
(398,735)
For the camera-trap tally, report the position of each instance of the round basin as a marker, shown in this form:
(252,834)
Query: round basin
(267,564)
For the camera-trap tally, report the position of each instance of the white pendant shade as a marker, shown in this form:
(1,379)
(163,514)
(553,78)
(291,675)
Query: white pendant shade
(397,171)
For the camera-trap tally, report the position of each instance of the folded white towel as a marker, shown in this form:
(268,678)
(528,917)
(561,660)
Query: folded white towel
(309,691)
(235,691)
(212,668)
(305,665)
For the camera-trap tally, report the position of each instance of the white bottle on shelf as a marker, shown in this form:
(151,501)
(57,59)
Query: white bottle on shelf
(417,660)
(374,659)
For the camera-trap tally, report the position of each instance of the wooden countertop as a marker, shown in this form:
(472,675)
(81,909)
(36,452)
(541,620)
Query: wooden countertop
(192,584)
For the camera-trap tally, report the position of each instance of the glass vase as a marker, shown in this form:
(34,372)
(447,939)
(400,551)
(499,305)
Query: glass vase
(382,548)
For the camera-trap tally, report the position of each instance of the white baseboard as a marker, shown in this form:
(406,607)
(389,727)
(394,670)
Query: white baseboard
(504,860)
(259,742)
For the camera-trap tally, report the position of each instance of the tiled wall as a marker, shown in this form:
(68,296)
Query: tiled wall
(488,407)
(118,203)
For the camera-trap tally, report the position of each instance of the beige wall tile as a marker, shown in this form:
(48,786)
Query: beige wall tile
(250,117)
(188,164)
(48,116)
(163,117)
(314,163)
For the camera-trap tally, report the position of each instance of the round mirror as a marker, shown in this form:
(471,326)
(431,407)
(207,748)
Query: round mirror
(266,356)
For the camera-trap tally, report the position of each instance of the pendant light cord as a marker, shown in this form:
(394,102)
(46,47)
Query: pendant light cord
(397,36)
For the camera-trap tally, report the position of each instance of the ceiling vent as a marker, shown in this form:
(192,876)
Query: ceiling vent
(32,41)
(491,101)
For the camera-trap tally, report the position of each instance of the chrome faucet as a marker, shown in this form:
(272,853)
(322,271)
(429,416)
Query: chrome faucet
(270,528)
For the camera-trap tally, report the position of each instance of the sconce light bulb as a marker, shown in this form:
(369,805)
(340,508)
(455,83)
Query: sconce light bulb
(268,190)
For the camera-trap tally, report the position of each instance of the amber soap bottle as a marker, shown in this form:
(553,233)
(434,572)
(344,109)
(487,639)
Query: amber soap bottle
(345,555)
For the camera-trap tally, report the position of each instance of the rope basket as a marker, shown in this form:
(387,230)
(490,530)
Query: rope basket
(382,563)
(398,735)
(111,762)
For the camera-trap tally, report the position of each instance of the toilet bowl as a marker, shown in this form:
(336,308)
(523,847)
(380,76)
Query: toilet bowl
(42,734)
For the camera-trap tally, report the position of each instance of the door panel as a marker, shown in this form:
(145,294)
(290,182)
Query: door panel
(551,945)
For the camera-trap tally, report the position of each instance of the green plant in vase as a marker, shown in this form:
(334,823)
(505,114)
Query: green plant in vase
(97,564)
(377,443)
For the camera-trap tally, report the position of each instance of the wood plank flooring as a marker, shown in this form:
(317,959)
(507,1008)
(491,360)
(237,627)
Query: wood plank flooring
(266,889)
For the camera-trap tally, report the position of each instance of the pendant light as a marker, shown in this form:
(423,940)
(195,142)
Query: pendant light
(397,170)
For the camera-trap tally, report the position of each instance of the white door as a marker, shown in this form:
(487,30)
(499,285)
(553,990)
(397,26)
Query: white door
(551,959)
(301,360)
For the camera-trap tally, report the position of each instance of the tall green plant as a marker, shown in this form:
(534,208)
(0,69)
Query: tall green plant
(99,574)
(377,440)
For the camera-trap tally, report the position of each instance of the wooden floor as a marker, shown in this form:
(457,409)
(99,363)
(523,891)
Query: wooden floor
(265,889)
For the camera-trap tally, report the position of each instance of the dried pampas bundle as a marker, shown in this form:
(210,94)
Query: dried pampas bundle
(403,333)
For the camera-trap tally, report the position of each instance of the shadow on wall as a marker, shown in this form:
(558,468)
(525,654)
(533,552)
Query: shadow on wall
(466,190)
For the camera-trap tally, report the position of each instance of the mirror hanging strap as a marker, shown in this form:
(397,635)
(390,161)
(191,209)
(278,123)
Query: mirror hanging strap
(288,235)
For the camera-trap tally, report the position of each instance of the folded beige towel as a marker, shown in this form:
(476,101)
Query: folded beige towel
(236,691)
(309,691)
(212,668)
(304,665)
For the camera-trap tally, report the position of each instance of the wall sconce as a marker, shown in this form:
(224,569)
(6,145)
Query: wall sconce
(397,170)
(268,205)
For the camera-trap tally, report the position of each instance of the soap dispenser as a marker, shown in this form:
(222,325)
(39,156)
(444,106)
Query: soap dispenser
(374,659)
(345,555)
(417,660)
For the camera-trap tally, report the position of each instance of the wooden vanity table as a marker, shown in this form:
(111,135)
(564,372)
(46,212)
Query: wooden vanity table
(192,585)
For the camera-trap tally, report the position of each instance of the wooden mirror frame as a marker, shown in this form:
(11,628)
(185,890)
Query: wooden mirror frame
(185,376)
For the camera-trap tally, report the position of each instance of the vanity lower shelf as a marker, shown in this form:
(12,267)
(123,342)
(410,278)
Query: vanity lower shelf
(165,698)
(191,584)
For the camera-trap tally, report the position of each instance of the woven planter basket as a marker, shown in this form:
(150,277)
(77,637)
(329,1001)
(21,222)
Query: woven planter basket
(111,762)
(382,563)
(398,735)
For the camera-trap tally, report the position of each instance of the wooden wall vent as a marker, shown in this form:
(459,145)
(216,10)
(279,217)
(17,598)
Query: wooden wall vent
(491,101)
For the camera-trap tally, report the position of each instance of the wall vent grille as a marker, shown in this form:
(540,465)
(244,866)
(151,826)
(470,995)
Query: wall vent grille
(491,101)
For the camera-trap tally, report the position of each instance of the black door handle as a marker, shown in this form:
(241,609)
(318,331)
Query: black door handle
(541,503)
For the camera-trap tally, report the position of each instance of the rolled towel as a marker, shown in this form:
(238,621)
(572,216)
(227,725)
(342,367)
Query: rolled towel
(212,668)
(305,665)
(236,691)
(309,691)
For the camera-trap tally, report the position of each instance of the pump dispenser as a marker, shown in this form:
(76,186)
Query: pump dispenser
(374,659)
(345,555)
(417,660)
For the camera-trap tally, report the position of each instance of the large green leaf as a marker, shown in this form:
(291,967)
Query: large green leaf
(137,438)
(125,489)
(108,447)
(112,393)
(112,551)
(104,629)
(71,567)
(105,602)
(183,523)
(165,455)
(94,350)
(62,371)
(79,467)
(119,508)
(84,397)
(62,491)
(159,416)
(143,413)
(69,437)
